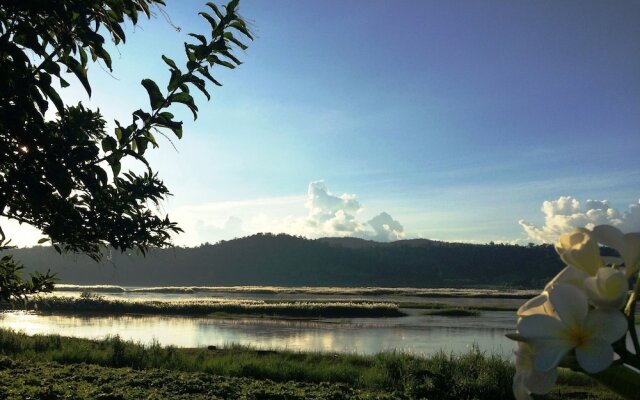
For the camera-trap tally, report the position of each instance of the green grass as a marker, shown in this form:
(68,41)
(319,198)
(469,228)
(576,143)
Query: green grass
(295,309)
(452,376)
(574,385)
(54,367)
(20,380)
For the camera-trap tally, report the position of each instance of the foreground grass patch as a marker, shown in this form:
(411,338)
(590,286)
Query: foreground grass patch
(54,367)
(298,309)
(21,380)
(442,376)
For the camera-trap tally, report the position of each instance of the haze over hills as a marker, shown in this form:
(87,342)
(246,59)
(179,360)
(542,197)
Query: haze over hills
(284,260)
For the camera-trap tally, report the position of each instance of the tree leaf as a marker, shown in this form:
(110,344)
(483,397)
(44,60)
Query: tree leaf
(201,38)
(209,18)
(186,99)
(155,97)
(169,62)
(109,144)
(80,73)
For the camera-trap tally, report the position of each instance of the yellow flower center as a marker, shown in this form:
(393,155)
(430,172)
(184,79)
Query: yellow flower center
(578,337)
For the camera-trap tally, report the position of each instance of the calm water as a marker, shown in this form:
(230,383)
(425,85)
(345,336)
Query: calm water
(414,333)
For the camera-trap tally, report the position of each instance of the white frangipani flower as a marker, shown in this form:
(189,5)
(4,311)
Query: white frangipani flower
(608,289)
(628,245)
(573,327)
(528,379)
(578,313)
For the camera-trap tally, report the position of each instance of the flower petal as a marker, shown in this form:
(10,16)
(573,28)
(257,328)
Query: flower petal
(606,324)
(541,382)
(612,281)
(570,303)
(580,250)
(594,355)
(537,305)
(607,289)
(591,288)
(520,391)
(570,275)
(608,236)
(549,353)
(541,327)
(628,245)
(631,252)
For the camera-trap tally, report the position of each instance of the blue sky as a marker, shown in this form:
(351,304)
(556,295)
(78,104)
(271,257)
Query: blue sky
(457,118)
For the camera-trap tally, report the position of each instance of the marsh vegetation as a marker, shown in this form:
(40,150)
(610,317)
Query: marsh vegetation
(88,303)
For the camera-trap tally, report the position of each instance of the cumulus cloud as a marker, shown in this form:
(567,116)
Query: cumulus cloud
(566,213)
(336,215)
(330,214)
(386,228)
(320,214)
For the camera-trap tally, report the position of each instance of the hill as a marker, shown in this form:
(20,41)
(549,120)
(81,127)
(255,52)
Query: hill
(283,260)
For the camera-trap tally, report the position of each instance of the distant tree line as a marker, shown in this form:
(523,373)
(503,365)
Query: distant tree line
(284,260)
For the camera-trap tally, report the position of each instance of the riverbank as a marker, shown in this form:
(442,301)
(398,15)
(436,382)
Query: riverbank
(48,367)
(506,293)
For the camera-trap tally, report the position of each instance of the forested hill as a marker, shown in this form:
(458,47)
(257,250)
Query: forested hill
(284,260)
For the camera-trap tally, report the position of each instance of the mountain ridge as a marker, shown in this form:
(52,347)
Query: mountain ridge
(284,260)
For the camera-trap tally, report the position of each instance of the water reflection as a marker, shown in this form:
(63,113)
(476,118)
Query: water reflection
(415,333)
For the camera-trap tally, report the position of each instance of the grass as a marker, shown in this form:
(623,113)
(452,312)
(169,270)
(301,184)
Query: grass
(295,309)
(54,367)
(573,385)
(443,376)
(20,380)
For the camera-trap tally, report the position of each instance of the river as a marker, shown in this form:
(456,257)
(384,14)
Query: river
(415,333)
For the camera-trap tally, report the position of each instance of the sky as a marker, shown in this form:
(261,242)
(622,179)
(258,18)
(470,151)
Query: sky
(454,120)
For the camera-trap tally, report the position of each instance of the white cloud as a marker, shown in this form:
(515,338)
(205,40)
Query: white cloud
(321,214)
(329,214)
(332,215)
(566,214)
(386,228)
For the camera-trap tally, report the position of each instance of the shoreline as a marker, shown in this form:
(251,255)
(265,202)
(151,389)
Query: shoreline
(471,292)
